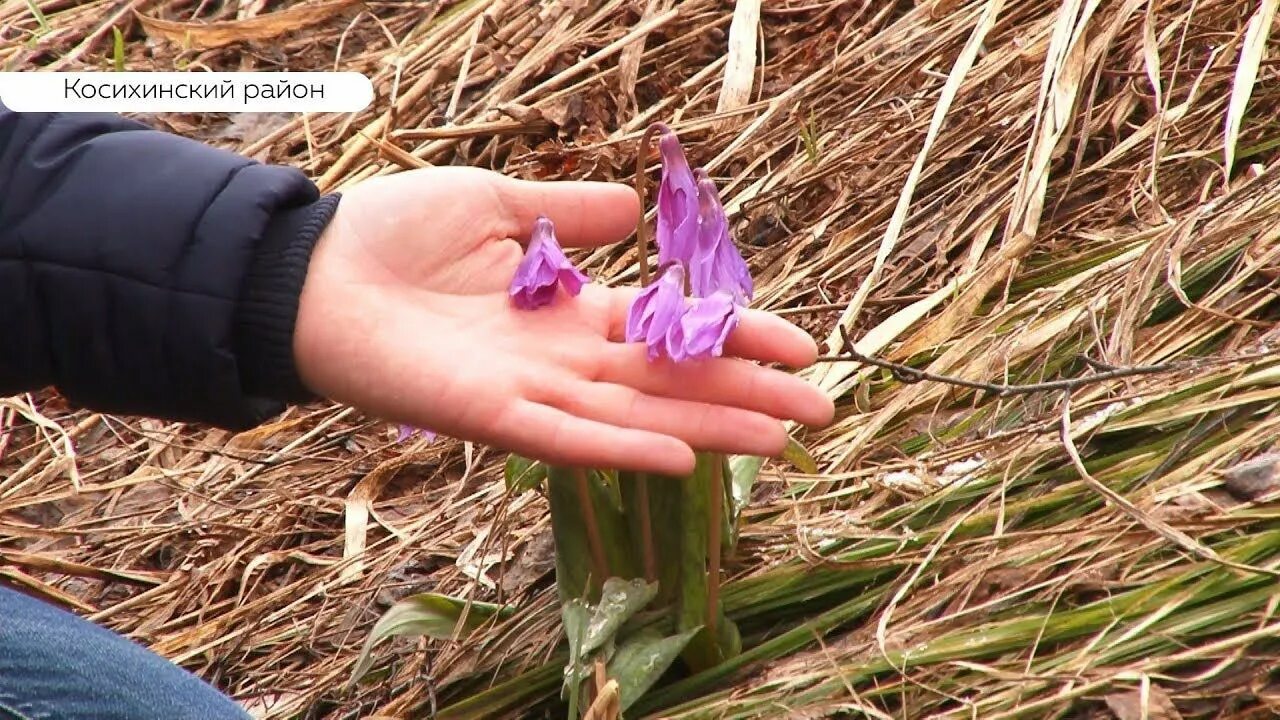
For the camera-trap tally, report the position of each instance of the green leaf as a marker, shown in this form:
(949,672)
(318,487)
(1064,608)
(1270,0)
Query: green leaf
(797,455)
(523,474)
(740,477)
(575,561)
(691,604)
(694,600)
(615,531)
(642,659)
(743,471)
(665,496)
(117,49)
(505,698)
(576,615)
(573,550)
(728,637)
(591,628)
(430,615)
(608,480)
(619,600)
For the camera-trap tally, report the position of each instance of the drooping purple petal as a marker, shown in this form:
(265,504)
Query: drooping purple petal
(704,328)
(717,266)
(543,269)
(408,431)
(656,310)
(677,229)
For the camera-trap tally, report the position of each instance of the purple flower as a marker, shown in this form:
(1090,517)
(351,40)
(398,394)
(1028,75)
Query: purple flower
(543,268)
(677,203)
(703,328)
(716,265)
(693,241)
(656,310)
(408,431)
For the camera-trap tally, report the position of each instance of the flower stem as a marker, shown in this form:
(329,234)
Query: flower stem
(716,488)
(646,528)
(594,541)
(642,230)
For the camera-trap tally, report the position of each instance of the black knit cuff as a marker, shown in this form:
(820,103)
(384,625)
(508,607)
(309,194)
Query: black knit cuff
(269,305)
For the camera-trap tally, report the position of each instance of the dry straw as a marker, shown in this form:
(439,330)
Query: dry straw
(985,190)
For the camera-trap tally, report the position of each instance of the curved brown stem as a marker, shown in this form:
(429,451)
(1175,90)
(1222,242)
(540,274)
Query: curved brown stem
(646,528)
(642,231)
(594,541)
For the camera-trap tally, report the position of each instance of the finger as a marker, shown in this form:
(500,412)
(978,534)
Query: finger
(759,336)
(706,427)
(766,337)
(585,214)
(720,381)
(553,436)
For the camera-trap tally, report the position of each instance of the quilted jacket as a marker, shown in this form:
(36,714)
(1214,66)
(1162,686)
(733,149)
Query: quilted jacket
(142,273)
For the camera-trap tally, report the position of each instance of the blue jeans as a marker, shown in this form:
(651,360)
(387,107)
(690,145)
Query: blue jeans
(56,666)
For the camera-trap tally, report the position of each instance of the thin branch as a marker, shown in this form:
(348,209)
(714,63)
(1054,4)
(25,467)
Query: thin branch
(595,542)
(646,528)
(908,374)
(642,230)
(827,307)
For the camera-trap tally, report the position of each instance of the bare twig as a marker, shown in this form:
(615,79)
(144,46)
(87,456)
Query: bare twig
(595,542)
(649,557)
(908,374)
(642,185)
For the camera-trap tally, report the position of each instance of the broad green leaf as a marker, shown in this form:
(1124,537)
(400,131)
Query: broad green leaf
(615,532)
(523,474)
(637,506)
(665,495)
(619,600)
(729,638)
(576,615)
(706,649)
(608,480)
(797,455)
(691,605)
(590,628)
(642,659)
(743,471)
(575,562)
(426,615)
(573,552)
(740,479)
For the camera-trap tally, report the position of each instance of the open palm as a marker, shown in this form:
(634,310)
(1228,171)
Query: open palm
(405,315)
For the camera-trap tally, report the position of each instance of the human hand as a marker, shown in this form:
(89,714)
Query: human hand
(405,315)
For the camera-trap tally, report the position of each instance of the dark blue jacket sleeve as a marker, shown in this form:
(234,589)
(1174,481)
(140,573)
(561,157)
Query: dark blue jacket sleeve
(143,273)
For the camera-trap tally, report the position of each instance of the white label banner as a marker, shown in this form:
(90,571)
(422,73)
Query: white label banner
(185,91)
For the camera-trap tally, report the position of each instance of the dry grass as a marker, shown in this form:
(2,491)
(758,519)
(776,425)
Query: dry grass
(992,190)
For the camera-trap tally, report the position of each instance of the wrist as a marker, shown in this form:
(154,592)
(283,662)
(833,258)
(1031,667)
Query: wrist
(268,309)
